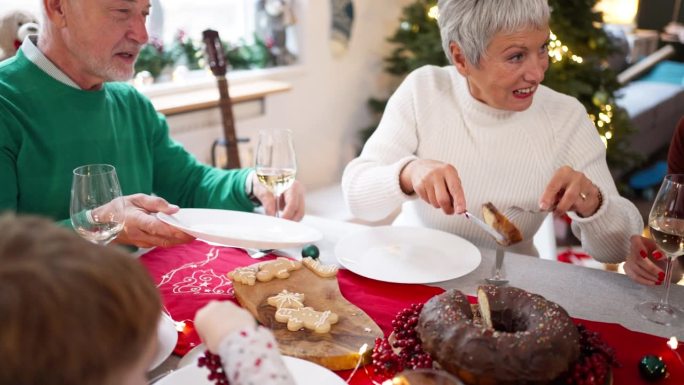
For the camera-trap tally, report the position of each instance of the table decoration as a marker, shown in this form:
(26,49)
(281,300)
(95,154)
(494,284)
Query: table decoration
(652,368)
(213,363)
(310,251)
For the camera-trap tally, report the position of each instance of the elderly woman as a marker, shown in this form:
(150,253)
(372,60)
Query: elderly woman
(485,129)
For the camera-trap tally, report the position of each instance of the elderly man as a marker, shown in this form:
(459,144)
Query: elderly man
(61,107)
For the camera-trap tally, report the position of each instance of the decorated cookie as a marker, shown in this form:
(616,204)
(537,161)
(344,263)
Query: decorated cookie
(245,275)
(286,299)
(321,270)
(279,268)
(318,321)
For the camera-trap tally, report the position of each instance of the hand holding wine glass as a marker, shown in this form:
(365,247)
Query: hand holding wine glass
(666,224)
(97,207)
(276,165)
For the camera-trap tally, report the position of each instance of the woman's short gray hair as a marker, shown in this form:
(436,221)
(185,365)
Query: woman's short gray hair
(473,23)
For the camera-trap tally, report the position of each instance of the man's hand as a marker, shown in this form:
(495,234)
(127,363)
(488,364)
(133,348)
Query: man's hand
(435,182)
(143,229)
(570,190)
(291,201)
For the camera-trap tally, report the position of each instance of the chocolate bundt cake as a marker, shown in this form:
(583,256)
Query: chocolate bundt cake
(521,338)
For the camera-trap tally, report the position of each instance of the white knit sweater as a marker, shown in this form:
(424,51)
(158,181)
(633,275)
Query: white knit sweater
(502,157)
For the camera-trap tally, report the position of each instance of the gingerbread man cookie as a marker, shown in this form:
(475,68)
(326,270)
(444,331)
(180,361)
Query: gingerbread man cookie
(286,299)
(278,268)
(318,321)
(245,275)
(321,270)
(264,271)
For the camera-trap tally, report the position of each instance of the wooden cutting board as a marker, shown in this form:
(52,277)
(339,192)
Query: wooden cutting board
(337,349)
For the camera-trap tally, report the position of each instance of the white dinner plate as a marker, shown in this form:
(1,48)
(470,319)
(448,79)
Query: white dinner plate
(167,335)
(303,372)
(407,254)
(241,229)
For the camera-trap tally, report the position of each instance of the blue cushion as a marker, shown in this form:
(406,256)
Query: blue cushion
(666,72)
(641,96)
(649,177)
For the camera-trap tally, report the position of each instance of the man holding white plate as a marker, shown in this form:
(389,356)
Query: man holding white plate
(61,107)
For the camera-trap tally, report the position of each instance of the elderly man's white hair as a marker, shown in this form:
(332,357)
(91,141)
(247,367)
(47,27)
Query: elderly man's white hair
(473,23)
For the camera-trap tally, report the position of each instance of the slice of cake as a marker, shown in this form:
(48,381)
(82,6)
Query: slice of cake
(501,224)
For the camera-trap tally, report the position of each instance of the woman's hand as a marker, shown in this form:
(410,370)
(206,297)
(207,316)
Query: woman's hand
(217,319)
(291,201)
(143,229)
(571,190)
(435,182)
(639,266)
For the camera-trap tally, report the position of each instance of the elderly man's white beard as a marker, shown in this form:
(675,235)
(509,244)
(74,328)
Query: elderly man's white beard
(108,69)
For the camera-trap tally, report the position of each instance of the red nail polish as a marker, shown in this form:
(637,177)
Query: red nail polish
(659,283)
(657,255)
(661,276)
(643,253)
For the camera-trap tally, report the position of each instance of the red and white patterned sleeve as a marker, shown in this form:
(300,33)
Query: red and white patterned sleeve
(251,356)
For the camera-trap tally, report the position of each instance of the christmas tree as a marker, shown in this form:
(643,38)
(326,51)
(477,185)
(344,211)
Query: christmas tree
(579,48)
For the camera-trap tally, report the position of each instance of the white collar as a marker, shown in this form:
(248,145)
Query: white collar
(33,54)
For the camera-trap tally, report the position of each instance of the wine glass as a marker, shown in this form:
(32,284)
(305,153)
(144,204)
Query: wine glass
(276,166)
(666,224)
(97,207)
(425,377)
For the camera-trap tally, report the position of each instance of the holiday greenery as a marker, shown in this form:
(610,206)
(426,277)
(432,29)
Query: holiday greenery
(579,48)
(186,52)
(155,57)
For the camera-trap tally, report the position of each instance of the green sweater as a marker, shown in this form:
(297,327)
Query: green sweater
(48,128)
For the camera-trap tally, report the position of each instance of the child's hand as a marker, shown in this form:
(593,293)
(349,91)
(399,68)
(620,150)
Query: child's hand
(216,320)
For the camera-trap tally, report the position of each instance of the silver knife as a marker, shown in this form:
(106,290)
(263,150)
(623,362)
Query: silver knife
(489,229)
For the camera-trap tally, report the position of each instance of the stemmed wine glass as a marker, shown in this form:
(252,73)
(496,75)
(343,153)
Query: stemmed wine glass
(276,165)
(666,223)
(97,207)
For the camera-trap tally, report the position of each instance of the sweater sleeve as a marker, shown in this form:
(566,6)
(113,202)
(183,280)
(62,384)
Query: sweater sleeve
(183,180)
(250,356)
(8,161)
(604,235)
(370,183)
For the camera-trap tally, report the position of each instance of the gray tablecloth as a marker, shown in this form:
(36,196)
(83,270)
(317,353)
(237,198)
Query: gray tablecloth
(587,293)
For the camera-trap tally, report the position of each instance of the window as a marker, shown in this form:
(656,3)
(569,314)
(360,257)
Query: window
(32,6)
(235,20)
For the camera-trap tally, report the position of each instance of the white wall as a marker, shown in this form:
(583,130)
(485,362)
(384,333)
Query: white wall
(327,105)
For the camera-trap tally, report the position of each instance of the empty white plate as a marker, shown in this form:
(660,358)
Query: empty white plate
(241,229)
(407,254)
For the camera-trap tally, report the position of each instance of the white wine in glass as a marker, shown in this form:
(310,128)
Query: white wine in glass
(666,224)
(276,166)
(97,207)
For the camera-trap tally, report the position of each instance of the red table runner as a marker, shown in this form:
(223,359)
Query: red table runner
(189,276)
